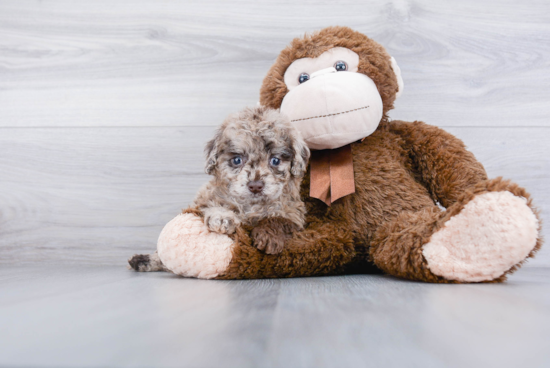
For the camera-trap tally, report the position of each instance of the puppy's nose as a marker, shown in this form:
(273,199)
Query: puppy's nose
(256,186)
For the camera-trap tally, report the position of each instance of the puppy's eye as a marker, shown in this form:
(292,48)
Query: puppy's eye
(237,161)
(274,161)
(340,66)
(304,77)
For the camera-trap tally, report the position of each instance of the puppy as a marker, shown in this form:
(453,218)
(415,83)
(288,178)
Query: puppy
(257,160)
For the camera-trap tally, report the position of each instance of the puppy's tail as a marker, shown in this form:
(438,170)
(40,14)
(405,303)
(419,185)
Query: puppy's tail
(146,263)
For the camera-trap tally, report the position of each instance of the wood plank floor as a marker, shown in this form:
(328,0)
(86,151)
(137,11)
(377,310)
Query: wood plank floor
(100,316)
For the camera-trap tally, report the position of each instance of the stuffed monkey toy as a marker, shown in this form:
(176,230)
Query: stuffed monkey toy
(403,198)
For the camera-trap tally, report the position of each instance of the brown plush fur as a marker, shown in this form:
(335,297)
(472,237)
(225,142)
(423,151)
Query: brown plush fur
(401,172)
(322,249)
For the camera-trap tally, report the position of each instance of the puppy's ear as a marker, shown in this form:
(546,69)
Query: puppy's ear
(301,155)
(211,151)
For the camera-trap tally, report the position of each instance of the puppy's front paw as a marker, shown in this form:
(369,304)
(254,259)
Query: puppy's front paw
(221,220)
(221,224)
(268,242)
(271,234)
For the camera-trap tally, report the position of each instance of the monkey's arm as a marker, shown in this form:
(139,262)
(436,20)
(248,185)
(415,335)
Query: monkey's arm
(441,160)
(321,249)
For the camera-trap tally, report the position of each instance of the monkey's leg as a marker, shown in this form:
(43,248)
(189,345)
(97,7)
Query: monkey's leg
(188,248)
(487,234)
(146,263)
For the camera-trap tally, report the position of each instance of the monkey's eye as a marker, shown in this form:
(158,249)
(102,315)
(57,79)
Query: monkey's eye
(304,77)
(340,66)
(274,161)
(237,161)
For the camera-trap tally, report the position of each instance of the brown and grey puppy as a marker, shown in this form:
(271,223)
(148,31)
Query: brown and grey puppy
(257,160)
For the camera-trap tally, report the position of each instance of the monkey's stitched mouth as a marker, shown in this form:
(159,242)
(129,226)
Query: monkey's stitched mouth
(338,113)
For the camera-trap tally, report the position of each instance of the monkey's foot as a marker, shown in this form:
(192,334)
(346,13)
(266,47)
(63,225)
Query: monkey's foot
(188,248)
(493,233)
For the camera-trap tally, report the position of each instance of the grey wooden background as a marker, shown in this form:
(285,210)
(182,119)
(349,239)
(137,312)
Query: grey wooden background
(105,105)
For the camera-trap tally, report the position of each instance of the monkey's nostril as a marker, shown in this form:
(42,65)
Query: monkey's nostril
(256,186)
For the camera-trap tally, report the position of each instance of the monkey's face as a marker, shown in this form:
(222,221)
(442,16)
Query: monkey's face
(329,101)
(336,85)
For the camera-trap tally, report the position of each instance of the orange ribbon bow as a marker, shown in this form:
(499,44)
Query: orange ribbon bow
(331,174)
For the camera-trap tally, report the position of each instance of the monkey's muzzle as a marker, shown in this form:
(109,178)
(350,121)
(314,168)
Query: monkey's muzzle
(333,109)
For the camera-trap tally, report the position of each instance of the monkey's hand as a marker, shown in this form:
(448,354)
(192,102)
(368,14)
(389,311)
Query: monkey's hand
(220,220)
(271,234)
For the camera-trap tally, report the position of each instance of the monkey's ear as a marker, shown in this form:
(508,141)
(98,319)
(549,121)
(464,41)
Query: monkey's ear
(301,156)
(397,71)
(211,151)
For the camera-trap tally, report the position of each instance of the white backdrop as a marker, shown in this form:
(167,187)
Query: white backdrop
(105,105)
